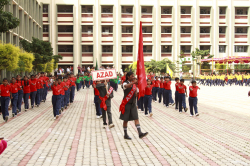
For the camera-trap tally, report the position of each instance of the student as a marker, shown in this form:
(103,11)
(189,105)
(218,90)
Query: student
(156,88)
(167,87)
(56,98)
(177,82)
(67,92)
(96,101)
(45,88)
(148,98)
(62,84)
(86,78)
(26,92)
(38,88)
(78,82)
(14,91)
(73,86)
(42,79)
(193,99)
(5,98)
(140,101)
(161,90)
(33,90)
(128,106)
(105,101)
(20,92)
(182,90)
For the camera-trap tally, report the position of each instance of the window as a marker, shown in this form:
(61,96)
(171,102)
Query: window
(65,28)
(166,10)
(166,30)
(127,29)
(65,48)
(45,8)
(107,29)
(127,49)
(127,9)
(87,28)
(205,30)
(107,9)
(241,30)
(222,49)
(146,9)
(240,48)
(87,48)
(186,49)
(87,9)
(107,48)
(239,11)
(45,28)
(183,11)
(147,49)
(147,29)
(65,8)
(166,49)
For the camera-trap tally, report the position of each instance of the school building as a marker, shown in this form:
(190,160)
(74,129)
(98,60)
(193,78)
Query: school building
(107,31)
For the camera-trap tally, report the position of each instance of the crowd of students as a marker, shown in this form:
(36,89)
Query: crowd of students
(35,88)
(225,79)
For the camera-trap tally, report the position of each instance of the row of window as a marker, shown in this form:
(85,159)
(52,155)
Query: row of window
(144,9)
(145,29)
(148,48)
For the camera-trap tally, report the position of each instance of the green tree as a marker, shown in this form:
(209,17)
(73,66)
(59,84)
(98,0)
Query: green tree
(26,59)
(7,20)
(204,54)
(42,51)
(9,57)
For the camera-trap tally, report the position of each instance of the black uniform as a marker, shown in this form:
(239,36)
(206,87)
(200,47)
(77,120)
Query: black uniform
(130,108)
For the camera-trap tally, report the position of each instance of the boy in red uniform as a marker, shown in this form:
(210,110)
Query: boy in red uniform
(177,82)
(167,88)
(62,84)
(33,90)
(148,98)
(161,90)
(193,99)
(96,99)
(5,98)
(56,98)
(26,92)
(20,92)
(156,88)
(14,91)
(73,87)
(38,87)
(66,89)
(182,90)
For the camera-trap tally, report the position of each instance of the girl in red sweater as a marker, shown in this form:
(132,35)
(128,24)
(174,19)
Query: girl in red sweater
(148,98)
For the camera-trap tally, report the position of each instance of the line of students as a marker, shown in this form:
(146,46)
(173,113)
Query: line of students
(225,79)
(83,80)
(35,88)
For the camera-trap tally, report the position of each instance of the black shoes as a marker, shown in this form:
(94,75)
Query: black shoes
(127,137)
(143,135)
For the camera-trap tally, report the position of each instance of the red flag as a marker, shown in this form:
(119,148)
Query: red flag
(141,75)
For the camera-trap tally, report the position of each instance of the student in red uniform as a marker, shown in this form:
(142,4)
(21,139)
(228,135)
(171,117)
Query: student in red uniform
(38,87)
(182,91)
(73,87)
(177,82)
(96,99)
(148,98)
(153,89)
(14,91)
(42,88)
(45,90)
(69,83)
(193,99)
(167,87)
(140,101)
(56,98)
(161,90)
(33,90)
(20,92)
(26,92)
(66,89)
(156,88)
(62,84)
(5,98)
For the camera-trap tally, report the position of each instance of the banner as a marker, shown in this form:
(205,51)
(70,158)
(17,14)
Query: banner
(169,71)
(141,75)
(103,74)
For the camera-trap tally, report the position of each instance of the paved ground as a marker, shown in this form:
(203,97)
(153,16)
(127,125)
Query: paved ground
(219,136)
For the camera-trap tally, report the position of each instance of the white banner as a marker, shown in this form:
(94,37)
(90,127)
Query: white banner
(103,74)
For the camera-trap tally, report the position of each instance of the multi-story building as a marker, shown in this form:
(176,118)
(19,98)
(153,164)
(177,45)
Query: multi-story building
(107,31)
(29,12)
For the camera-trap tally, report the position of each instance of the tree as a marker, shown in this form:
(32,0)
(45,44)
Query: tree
(56,59)
(26,59)
(42,51)
(203,54)
(7,20)
(50,66)
(9,57)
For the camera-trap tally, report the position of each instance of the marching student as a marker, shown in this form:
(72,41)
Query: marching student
(33,90)
(105,95)
(45,88)
(222,80)
(96,101)
(42,79)
(26,92)
(67,92)
(72,89)
(123,79)
(167,87)
(5,98)
(38,92)
(161,90)
(20,92)
(78,82)
(193,99)
(62,84)
(156,88)
(86,78)
(177,82)
(140,102)
(148,98)
(128,106)
(182,100)
(14,91)
(56,98)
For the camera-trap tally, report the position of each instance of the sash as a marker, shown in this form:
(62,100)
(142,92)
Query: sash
(126,99)
(103,99)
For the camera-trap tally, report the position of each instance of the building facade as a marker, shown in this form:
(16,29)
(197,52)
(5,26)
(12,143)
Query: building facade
(107,31)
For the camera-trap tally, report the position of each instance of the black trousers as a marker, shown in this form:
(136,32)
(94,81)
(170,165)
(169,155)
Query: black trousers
(104,115)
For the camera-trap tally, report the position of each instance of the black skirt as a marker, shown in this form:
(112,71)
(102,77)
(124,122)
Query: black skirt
(130,113)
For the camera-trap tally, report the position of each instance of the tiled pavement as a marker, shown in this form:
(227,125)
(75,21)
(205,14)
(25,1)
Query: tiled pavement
(219,136)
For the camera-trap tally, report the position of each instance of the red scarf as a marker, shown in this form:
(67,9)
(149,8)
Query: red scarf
(103,99)
(127,98)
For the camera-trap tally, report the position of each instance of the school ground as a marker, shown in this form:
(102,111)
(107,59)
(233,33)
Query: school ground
(219,136)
